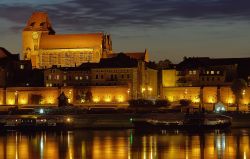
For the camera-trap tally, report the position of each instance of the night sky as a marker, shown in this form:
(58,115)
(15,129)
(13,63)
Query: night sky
(168,28)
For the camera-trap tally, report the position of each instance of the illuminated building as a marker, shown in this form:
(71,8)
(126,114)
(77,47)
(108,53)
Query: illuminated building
(45,48)
(119,71)
(205,81)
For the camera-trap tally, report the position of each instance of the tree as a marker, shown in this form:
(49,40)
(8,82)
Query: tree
(162,103)
(165,64)
(36,98)
(185,102)
(62,100)
(140,103)
(88,96)
(237,88)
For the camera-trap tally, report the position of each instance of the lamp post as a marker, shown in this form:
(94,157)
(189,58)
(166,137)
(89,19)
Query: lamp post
(150,89)
(16,98)
(128,94)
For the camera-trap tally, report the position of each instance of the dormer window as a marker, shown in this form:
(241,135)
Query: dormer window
(42,24)
(21,67)
(32,24)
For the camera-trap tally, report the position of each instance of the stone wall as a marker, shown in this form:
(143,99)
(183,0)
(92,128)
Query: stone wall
(211,95)
(47,96)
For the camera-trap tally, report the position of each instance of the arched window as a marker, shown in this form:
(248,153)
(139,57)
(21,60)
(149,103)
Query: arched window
(32,24)
(42,24)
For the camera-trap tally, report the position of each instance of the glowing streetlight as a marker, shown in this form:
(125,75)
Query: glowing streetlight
(243,92)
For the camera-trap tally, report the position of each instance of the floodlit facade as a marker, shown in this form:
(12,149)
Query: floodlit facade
(44,48)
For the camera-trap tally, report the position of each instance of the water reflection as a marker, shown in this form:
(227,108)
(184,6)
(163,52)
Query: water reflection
(125,144)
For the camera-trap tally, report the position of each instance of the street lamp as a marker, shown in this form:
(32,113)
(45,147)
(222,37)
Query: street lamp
(16,97)
(150,89)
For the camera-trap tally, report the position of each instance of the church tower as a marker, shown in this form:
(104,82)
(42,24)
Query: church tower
(37,25)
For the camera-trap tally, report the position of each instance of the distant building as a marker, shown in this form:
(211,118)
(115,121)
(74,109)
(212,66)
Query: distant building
(120,70)
(16,72)
(45,48)
(66,76)
(206,72)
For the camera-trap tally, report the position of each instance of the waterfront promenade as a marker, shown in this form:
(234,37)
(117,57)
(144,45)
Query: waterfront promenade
(106,120)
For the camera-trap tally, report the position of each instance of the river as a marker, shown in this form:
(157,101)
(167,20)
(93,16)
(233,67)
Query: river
(125,144)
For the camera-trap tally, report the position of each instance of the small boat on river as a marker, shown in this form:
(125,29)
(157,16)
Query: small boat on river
(196,121)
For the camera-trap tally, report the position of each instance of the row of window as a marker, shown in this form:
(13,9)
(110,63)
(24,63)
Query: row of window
(212,72)
(113,76)
(116,70)
(57,77)
(210,79)
(194,72)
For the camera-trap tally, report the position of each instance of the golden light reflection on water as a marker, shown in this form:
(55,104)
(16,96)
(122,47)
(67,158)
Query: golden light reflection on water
(125,144)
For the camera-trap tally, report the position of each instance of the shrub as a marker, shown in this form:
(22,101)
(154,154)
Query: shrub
(162,103)
(140,103)
(185,102)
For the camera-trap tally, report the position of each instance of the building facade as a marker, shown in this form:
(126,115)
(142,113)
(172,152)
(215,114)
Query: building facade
(118,71)
(44,48)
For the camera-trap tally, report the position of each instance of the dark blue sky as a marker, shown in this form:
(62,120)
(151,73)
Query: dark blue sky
(168,28)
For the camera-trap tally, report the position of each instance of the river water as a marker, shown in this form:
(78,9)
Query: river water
(125,144)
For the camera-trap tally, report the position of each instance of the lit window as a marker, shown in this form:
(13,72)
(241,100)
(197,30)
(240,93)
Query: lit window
(212,72)
(76,78)
(50,84)
(190,72)
(80,77)
(194,72)
(87,77)
(21,67)
(57,77)
(207,72)
(64,77)
(49,77)
(218,72)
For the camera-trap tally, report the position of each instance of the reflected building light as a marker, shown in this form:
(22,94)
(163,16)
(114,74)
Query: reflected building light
(107,98)
(243,92)
(16,147)
(41,147)
(230,100)
(50,101)
(23,101)
(70,145)
(144,150)
(150,89)
(83,150)
(143,89)
(11,101)
(120,98)
(96,99)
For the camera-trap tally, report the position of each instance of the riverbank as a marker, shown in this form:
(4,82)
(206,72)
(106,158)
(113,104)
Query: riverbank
(118,120)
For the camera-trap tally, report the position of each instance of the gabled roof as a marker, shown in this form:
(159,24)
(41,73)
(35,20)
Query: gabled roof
(143,56)
(119,61)
(71,41)
(6,54)
(6,57)
(39,21)
(242,64)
